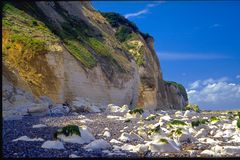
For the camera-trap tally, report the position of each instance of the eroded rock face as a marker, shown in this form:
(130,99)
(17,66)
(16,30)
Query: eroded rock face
(114,77)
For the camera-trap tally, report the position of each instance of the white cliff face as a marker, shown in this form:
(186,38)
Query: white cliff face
(66,78)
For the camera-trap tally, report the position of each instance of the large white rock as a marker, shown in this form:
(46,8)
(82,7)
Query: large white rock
(227,133)
(128,137)
(227,126)
(208,153)
(92,108)
(98,144)
(141,148)
(38,109)
(184,137)
(202,133)
(79,104)
(165,118)
(162,147)
(115,141)
(235,138)
(60,109)
(124,108)
(86,136)
(107,134)
(128,147)
(208,140)
(219,134)
(189,113)
(231,150)
(53,145)
(26,138)
(112,108)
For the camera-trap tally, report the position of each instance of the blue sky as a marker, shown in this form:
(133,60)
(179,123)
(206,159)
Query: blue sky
(198,45)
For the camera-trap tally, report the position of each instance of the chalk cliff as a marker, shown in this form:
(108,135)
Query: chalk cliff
(68,49)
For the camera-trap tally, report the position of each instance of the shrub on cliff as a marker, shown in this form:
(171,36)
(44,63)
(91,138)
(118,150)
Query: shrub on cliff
(123,33)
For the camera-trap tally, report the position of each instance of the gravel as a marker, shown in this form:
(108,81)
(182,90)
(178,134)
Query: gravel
(13,129)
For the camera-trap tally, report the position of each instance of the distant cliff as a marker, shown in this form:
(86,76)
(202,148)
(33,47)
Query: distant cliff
(67,49)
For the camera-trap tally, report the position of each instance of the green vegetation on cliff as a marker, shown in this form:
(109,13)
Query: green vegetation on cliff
(81,53)
(26,30)
(118,21)
(123,33)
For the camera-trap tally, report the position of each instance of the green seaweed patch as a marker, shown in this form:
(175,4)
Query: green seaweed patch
(238,123)
(193,107)
(178,132)
(68,131)
(214,119)
(199,122)
(151,117)
(154,130)
(136,110)
(177,122)
(127,120)
(164,141)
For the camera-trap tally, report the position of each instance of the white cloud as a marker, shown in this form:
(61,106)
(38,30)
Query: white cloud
(238,76)
(195,85)
(190,56)
(215,93)
(143,11)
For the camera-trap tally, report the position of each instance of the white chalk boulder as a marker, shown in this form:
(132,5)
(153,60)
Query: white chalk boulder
(98,144)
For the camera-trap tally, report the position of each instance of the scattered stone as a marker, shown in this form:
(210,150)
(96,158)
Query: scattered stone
(115,141)
(207,153)
(38,109)
(26,138)
(107,134)
(73,156)
(39,126)
(53,145)
(126,137)
(60,110)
